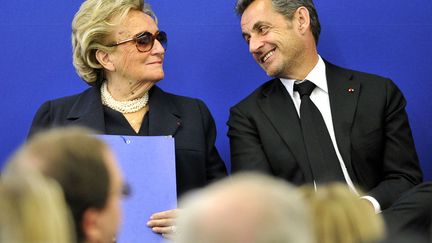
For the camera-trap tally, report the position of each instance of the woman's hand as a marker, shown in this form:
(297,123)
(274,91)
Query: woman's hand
(164,223)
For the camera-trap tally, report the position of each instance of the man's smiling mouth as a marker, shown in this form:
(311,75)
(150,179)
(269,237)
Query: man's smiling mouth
(267,56)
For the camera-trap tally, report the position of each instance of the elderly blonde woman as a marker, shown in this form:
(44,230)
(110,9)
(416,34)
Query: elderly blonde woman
(339,216)
(119,50)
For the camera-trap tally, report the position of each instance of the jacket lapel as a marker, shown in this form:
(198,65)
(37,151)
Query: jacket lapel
(87,111)
(343,94)
(164,116)
(279,108)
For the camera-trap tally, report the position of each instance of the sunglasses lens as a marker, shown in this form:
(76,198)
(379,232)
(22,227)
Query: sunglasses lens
(144,41)
(162,38)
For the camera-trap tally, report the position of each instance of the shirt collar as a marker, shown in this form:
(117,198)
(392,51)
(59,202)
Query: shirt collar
(317,76)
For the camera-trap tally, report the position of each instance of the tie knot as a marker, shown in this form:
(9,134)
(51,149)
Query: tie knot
(304,88)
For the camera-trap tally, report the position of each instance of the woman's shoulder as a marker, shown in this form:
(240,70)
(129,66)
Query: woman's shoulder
(62,106)
(57,111)
(87,95)
(178,99)
(187,107)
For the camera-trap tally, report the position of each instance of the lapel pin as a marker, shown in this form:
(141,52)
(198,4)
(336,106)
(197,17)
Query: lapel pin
(351,90)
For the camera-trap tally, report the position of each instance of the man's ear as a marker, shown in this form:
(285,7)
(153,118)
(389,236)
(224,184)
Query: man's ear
(303,19)
(104,59)
(90,226)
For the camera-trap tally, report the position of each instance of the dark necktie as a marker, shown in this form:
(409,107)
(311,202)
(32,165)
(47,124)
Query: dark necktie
(319,147)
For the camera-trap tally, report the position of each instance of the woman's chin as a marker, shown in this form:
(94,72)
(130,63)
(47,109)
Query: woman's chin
(153,79)
(158,77)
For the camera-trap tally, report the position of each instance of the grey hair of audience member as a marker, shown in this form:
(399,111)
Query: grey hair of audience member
(288,8)
(246,207)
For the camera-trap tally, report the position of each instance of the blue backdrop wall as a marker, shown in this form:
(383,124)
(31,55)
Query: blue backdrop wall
(208,59)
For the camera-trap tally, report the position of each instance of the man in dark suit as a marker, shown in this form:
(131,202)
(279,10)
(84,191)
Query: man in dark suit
(364,114)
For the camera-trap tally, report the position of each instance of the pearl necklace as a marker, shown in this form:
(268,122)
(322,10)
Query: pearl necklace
(128,106)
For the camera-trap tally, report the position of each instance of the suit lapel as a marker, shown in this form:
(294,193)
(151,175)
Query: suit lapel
(343,94)
(279,108)
(87,111)
(164,116)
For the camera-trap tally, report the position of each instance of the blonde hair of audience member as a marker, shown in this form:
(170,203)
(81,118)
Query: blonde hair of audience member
(90,32)
(33,209)
(87,171)
(341,217)
(245,208)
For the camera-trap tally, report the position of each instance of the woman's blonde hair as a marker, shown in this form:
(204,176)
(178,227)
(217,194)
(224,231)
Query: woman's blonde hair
(91,28)
(33,209)
(340,216)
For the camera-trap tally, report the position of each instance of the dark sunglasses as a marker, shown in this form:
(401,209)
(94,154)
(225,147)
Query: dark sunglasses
(144,41)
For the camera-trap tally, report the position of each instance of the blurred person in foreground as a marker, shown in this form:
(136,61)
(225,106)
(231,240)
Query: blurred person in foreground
(119,50)
(33,209)
(246,208)
(340,217)
(86,170)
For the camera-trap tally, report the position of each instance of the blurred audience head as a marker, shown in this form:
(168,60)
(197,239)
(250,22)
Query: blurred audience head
(88,173)
(246,208)
(340,216)
(33,209)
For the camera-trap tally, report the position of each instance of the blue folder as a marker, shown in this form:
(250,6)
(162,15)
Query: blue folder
(148,165)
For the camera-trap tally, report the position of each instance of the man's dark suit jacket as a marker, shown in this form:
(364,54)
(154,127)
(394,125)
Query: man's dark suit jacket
(370,124)
(188,120)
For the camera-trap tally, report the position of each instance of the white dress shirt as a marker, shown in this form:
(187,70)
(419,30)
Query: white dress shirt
(320,98)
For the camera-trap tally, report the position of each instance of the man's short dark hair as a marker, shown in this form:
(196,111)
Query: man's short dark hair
(287,8)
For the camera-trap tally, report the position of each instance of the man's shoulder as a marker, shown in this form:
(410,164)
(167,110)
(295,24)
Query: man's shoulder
(362,76)
(372,85)
(258,93)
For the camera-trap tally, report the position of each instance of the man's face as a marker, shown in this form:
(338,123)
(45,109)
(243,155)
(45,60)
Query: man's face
(273,40)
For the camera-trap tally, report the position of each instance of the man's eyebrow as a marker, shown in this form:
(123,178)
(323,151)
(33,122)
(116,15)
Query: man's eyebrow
(245,35)
(258,24)
(255,28)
